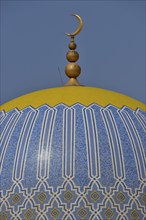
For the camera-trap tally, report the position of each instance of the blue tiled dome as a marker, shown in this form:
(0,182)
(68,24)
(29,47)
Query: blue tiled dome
(73,162)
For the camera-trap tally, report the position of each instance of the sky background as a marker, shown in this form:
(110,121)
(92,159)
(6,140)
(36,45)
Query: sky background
(111,45)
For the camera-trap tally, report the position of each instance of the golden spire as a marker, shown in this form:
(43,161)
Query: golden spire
(72,69)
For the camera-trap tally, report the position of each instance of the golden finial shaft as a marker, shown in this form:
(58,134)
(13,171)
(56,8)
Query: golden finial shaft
(72,69)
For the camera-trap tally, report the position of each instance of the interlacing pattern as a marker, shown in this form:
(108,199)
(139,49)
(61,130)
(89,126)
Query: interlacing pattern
(73,162)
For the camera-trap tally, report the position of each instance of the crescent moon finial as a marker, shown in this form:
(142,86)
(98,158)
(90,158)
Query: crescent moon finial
(79,27)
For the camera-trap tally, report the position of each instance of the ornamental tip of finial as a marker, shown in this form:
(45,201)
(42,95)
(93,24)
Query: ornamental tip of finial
(72,69)
(78,30)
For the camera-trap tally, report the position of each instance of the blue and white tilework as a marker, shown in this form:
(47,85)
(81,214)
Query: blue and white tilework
(73,162)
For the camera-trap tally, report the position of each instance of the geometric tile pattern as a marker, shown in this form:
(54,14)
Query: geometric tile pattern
(41,197)
(95,196)
(68,195)
(121,197)
(16,198)
(28,214)
(73,162)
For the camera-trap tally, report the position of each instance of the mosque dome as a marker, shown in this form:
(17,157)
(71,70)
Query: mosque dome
(73,152)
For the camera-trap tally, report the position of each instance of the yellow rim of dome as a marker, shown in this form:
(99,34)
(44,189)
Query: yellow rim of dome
(71,95)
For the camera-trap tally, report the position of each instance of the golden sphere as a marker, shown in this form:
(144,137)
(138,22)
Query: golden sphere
(72,70)
(72,56)
(72,46)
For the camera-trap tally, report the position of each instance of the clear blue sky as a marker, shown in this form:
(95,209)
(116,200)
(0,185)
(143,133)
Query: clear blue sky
(111,45)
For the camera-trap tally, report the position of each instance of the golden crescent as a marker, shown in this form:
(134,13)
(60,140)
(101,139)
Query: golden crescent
(79,27)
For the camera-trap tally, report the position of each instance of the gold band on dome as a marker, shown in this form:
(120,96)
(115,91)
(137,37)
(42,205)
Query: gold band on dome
(72,95)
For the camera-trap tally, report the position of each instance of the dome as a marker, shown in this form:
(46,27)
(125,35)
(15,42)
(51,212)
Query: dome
(73,153)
